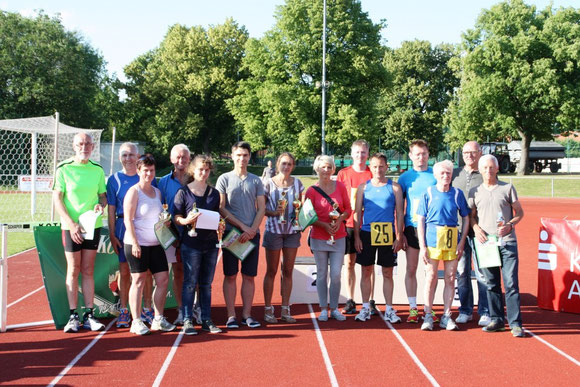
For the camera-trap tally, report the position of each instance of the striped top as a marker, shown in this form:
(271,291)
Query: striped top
(273,193)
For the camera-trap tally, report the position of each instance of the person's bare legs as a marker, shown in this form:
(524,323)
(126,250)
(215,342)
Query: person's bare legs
(272,262)
(449,290)
(430,284)
(230,294)
(136,293)
(248,288)
(124,284)
(160,292)
(87,272)
(73,269)
(288,259)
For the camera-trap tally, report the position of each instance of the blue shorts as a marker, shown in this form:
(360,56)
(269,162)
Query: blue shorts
(249,265)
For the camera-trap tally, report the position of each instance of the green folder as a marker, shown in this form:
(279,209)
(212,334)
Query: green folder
(233,245)
(307,215)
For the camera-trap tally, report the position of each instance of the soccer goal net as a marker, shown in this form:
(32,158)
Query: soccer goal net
(30,149)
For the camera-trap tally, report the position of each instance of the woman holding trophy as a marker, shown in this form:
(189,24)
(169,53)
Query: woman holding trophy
(198,246)
(327,239)
(283,200)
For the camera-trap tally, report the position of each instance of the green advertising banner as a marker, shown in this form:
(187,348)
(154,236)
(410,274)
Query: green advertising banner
(53,264)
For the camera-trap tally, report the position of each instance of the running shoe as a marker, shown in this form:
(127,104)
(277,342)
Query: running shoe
(161,324)
(335,314)
(323,315)
(518,332)
(448,323)
(391,316)
(138,327)
(349,307)
(484,321)
(147,315)
(90,322)
(232,323)
(269,315)
(413,316)
(188,328)
(463,318)
(363,315)
(494,326)
(374,310)
(179,319)
(210,327)
(73,324)
(251,323)
(427,323)
(124,319)
(286,316)
(435,318)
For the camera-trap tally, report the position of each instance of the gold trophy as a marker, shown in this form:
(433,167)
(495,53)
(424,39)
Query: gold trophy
(282,202)
(296,204)
(192,232)
(334,215)
(165,215)
(220,232)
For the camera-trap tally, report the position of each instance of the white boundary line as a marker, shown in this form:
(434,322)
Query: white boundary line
(23,297)
(30,324)
(553,347)
(410,352)
(20,252)
(168,360)
(329,369)
(80,355)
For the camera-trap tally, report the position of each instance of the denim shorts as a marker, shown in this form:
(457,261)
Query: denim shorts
(273,241)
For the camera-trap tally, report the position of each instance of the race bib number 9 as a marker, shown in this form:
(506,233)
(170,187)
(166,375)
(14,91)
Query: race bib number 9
(381,234)
(447,238)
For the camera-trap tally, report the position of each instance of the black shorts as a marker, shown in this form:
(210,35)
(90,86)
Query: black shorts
(152,258)
(249,265)
(386,256)
(349,249)
(71,247)
(412,238)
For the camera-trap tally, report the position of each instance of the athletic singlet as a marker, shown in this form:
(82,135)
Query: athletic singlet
(378,204)
(273,193)
(146,215)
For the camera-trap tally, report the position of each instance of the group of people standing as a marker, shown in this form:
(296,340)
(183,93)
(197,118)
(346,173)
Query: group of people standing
(363,217)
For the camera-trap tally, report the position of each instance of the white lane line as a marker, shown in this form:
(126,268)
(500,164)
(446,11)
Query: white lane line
(553,347)
(30,324)
(168,360)
(20,253)
(23,297)
(80,355)
(410,352)
(329,369)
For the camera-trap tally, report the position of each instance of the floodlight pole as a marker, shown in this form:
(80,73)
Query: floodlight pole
(323,142)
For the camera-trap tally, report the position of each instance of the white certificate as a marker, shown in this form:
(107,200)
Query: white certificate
(87,221)
(208,220)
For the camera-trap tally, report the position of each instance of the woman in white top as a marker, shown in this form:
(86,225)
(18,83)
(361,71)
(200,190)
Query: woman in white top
(280,237)
(142,207)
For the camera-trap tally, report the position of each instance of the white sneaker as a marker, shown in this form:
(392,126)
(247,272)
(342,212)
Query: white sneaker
(269,315)
(427,322)
(89,322)
(391,316)
(138,327)
(363,315)
(323,315)
(448,323)
(335,314)
(484,321)
(73,324)
(161,324)
(178,320)
(463,318)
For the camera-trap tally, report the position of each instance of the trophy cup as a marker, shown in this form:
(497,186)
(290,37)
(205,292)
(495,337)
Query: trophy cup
(296,204)
(192,232)
(165,215)
(282,202)
(334,214)
(220,232)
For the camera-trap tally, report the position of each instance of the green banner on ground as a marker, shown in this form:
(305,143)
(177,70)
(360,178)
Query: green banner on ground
(53,264)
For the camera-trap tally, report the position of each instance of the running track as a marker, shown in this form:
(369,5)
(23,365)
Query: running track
(334,353)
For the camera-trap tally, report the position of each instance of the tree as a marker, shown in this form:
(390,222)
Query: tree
(279,106)
(44,68)
(177,92)
(519,76)
(422,87)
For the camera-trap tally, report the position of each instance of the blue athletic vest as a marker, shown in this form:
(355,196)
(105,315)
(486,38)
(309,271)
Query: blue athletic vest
(378,204)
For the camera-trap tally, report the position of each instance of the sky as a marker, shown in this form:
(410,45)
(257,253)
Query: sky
(121,30)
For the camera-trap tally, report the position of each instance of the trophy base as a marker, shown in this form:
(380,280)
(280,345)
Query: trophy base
(330,242)
(192,234)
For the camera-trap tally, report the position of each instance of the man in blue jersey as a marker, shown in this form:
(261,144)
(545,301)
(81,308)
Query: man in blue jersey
(169,185)
(117,187)
(414,184)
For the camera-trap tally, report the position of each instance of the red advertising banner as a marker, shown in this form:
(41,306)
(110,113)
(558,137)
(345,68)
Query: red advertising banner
(559,265)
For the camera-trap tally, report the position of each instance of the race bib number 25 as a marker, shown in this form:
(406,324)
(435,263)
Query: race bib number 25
(381,234)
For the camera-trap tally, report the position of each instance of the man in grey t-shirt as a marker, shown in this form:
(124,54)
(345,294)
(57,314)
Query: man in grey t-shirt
(242,204)
(466,178)
(495,210)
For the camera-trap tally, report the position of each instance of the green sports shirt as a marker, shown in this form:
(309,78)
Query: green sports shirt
(81,185)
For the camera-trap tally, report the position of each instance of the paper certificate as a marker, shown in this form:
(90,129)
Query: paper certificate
(208,220)
(307,215)
(164,234)
(487,253)
(87,222)
(240,250)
